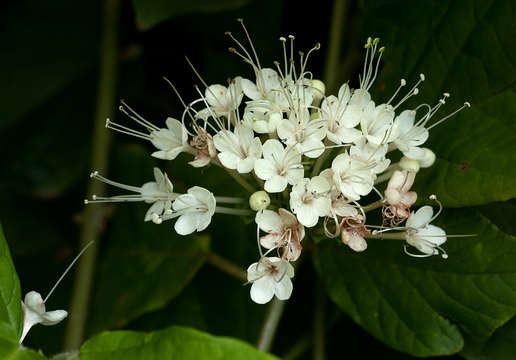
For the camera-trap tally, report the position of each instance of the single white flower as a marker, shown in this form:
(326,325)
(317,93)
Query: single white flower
(340,117)
(305,134)
(353,232)
(170,142)
(262,116)
(159,193)
(194,209)
(397,194)
(34,312)
(376,123)
(266,87)
(222,100)
(422,235)
(352,177)
(238,150)
(270,276)
(284,232)
(372,156)
(410,136)
(309,200)
(279,166)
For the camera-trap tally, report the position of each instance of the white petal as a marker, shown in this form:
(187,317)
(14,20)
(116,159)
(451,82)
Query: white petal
(264,169)
(275,184)
(273,149)
(284,288)
(262,290)
(53,317)
(186,224)
(229,160)
(268,221)
(420,218)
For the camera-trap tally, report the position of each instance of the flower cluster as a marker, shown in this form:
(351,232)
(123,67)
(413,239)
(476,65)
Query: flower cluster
(307,159)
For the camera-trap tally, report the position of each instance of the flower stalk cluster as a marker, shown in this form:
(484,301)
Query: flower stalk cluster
(306,158)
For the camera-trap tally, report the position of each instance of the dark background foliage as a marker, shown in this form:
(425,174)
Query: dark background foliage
(50,70)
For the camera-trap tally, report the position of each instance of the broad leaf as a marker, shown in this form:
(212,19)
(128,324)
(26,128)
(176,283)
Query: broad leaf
(144,265)
(500,346)
(151,13)
(10,295)
(172,343)
(420,306)
(462,48)
(13,351)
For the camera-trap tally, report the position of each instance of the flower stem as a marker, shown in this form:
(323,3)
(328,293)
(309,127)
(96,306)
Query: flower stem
(231,211)
(391,236)
(239,179)
(319,320)
(335,42)
(377,204)
(94,217)
(270,324)
(226,266)
(229,200)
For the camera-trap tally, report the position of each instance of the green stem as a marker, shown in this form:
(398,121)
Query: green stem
(319,335)
(373,206)
(270,325)
(93,216)
(391,236)
(239,179)
(226,266)
(334,48)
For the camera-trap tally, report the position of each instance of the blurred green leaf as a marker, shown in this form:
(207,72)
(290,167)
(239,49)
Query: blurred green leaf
(500,346)
(461,47)
(144,265)
(172,343)
(151,13)
(12,351)
(10,295)
(418,305)
(46,48)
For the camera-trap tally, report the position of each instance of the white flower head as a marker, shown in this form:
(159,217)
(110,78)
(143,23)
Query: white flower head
(422,235)
(352,177)
(238,150)
(263,116)
(159,193)
(194,209)
(279,166)
(372,156)
(310,199)
(34,312)
(283,232)
(270,276)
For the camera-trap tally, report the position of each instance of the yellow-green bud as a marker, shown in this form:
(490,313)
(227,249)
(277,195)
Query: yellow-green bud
(259,200)
(409,164)
(319,91)
(428,158)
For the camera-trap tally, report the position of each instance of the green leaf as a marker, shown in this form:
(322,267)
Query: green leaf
(418,305)
(12,351)
(172,343)
(461,47)
(145,265)
(500,346)
(10,295)
(46,48)
(151,13)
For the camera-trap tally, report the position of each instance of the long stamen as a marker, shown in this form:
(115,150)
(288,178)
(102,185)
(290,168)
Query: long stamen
(466,105)
(95,175)
(67,270)
(125,130)
(135,116)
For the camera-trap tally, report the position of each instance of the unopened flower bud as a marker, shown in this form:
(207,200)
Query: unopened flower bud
(259,200)
(428,159)
(319,91)
(409,164)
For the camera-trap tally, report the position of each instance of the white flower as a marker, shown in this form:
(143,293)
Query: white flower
(203,143)
(353,231)
(171,141)
(284,231)
(222,100)
(302,133)
(352,177)
(262,116)
(270,276)
(159,193)
(423,236)
(238,150)
(266,87)
(398,195)
(195,210)
(410,136)
(376,123)
(340,117)
(279,166)
(309,200)
(372,156)
(34,312)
